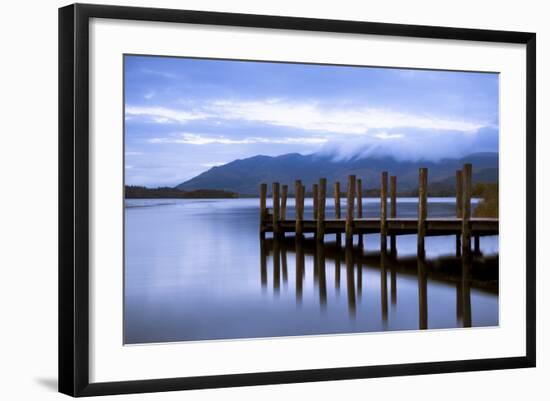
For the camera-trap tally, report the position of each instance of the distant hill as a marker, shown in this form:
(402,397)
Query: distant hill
(244,176)
(138,192)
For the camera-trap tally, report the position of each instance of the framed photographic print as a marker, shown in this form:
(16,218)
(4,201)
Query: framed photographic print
(250,199)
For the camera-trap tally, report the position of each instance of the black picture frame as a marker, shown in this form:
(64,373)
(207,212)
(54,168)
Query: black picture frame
(74,201)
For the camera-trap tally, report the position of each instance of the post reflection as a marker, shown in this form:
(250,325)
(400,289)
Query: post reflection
(393,280)
(350,281)
(360,270)
(384,286)
(284,264)
(422,293)
(337,272)
(300,267)
(328,259)
(322,280)
(276,266)
(263,264)
(465,289)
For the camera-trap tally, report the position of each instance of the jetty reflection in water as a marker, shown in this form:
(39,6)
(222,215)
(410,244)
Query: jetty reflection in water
(319,265)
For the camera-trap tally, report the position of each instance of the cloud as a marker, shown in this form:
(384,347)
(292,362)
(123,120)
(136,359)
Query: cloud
(349,120)
(213,164)
(308,116)
(158,73)
(162,115)
(412,144)
(385,135)
(202,139)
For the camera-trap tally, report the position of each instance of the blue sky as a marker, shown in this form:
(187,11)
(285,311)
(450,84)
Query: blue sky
(184,116)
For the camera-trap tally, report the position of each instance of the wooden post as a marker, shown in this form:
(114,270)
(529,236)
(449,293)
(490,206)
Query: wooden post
(349,215)
(477,248)
(359,199)
(383,211)
(315,200)
(393,211)
(298,207)
(458,206)
(459,191)
(284,195)
(337,211)
(321,204)
(422,209)
(276,204)
(359,195)
(263,207)
(466,207)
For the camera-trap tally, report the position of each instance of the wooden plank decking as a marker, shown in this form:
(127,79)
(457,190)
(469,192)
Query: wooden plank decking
(395,226)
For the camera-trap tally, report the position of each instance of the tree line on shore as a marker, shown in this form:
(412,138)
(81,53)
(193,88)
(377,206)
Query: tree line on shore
(140,192)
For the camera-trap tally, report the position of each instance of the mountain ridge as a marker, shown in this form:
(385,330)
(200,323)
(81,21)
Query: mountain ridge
(244,176)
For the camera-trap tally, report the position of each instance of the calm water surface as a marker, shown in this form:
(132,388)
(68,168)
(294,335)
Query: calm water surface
(195,269)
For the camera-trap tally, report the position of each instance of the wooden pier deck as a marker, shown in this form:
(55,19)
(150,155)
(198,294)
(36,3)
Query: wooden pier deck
(462,224)
(394,226)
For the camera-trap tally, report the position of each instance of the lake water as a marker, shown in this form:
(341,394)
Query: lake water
(196,269)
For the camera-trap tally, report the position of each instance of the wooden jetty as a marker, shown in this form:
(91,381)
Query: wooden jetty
(462,225)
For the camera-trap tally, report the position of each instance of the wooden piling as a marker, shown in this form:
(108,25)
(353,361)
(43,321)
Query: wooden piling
(458,206)
(263,207)
(359,195)
(321,205)
(349,214)
(477,248)
(393,211)
(459,192)
(359,198)
(337,210)
(383,210)
(422,209)
(298,207)
(284,195)
(315,200)
(466,207)
(276,204)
